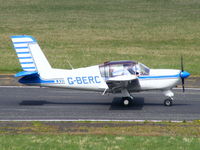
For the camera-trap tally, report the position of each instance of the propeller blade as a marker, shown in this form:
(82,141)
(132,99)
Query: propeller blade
(182,68)
(183,85)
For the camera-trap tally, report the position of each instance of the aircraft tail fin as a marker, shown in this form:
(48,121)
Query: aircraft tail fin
(29,54)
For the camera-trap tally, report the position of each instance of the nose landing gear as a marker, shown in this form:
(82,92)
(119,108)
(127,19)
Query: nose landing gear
(169,100)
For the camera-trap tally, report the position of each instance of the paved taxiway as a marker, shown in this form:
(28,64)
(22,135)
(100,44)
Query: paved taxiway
(27,103)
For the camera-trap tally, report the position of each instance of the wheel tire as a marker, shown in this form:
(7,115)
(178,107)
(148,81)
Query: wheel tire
(126,101)
(168,102)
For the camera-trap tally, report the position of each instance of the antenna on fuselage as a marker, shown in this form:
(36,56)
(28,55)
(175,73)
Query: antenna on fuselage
(70,64)
(67,59)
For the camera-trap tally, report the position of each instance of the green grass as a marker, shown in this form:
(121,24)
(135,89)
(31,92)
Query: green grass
(89,32)
(183,129)
(96,142)
(99,135)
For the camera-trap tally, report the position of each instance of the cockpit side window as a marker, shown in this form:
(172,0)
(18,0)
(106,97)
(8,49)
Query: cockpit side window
(116,70)
(113,69)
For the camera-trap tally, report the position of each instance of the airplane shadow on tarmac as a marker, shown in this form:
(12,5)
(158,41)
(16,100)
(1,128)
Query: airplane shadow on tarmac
(136,105)
(44,102)
(116,104)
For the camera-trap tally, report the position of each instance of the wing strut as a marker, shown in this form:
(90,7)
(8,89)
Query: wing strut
(104,92)
(125,93)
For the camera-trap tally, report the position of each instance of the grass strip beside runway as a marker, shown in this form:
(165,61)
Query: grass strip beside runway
(97,142)
(89,32)
(99,135)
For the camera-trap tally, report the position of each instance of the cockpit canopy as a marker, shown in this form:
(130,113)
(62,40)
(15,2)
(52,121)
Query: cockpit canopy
(119,68)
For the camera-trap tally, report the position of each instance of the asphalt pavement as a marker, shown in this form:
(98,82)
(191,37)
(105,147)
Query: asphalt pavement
(34,103)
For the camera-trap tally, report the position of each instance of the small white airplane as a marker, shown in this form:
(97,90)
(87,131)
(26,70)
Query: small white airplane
(123,77)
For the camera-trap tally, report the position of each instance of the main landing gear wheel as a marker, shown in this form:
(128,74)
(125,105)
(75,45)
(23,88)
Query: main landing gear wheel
(126,101)
(168,102)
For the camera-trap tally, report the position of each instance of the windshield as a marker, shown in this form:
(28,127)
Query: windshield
(142,69)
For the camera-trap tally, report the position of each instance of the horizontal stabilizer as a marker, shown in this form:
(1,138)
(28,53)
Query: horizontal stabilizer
(26,73)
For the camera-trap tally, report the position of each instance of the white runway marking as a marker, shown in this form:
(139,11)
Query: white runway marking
(93,120)
(21,87)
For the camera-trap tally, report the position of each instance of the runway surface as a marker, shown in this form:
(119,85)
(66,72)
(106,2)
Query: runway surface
(29,103)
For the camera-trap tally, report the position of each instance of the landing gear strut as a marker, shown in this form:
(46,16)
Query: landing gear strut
(127,99)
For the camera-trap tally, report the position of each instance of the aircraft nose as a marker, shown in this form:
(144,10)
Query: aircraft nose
(184,74)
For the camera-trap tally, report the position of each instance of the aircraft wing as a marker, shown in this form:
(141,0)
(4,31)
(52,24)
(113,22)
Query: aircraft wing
(116,84)
(122,78)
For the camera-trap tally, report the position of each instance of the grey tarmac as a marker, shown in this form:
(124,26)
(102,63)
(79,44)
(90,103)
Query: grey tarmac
(29,103)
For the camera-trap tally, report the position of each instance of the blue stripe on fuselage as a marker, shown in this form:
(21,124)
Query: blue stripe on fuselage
(159,77)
